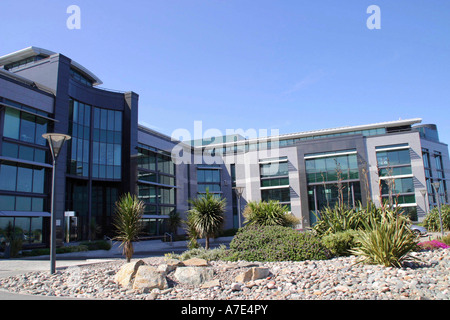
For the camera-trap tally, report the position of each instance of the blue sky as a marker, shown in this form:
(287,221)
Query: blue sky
(290,65)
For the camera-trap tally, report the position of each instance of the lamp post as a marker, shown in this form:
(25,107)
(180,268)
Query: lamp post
(239,191)
(436,186)
(55,141)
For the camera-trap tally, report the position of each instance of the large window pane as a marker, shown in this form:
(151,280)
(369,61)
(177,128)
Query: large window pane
(27,127)
(23,204)
(26,153)
(117,154)
(24,179)
(12,124)
(41,128)
(10,149)
(8,177)
(38,181)
(118,121)
(7,203)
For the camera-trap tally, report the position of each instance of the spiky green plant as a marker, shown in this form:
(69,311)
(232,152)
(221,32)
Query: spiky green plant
(338,219)
(386,239)
(127,221)
(270,213)
(207,215)
(191,232)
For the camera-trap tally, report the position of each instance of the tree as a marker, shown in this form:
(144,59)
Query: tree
(207,215)
(127,221)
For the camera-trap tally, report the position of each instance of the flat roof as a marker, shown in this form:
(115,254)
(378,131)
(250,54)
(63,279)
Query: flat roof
(36,51)
(388,124)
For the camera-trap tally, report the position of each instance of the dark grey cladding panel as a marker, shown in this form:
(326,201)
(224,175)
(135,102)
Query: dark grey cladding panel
(96,97)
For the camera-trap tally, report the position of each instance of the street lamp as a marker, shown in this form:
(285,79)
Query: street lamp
(56,141)
(436,186)
(239,191)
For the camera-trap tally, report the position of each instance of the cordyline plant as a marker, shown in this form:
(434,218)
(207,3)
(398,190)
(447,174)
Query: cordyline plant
(386,239)
(207,215)
(127,221)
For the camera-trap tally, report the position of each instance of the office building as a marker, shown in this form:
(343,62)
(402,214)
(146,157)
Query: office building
(110,154)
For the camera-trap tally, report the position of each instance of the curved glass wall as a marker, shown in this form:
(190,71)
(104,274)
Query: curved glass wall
(102,137)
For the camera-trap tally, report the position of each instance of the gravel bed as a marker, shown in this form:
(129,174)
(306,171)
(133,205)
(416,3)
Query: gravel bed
(335,279)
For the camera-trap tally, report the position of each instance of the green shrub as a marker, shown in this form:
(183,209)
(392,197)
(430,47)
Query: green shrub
(386,240)
(432,221)
(340,243)
(275,243)
(270,213)
(445,239)
(202,253)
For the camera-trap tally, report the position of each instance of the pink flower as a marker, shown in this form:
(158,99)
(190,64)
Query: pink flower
(433,244)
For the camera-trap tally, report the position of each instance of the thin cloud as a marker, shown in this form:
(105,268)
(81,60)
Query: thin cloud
(306,82)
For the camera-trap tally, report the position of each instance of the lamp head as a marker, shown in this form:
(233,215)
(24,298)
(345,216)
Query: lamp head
(56,141)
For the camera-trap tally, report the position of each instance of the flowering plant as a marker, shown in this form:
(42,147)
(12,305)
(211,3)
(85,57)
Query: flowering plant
(433,244)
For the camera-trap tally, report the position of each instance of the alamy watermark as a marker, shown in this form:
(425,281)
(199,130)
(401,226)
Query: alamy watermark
(374,21)
(74,20)
(213,146)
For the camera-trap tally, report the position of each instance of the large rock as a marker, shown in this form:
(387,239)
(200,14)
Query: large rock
(194,275)
(196,262)
(253,274)
(148,278)
(127,273)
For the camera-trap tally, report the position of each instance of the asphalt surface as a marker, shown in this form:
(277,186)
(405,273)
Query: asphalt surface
(142,249)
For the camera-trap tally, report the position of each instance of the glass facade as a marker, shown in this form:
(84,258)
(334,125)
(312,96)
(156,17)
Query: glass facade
(274,175)
(94,155)
(23,176)
(326,172)
(104,136)
(396,178)
(156,187)
(441,177)
(327,168)
(209,177)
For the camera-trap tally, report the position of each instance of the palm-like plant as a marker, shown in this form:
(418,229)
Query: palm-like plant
(386,239)
(207,215)
(127,221)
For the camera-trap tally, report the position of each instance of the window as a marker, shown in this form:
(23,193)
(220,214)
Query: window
(156,187)
(392,158)
(403,185)
(281,195)
(25,127)
(332,168)
(209,177)
(25,228)
(106,141)
(274,175)
(22,179)
(274,169)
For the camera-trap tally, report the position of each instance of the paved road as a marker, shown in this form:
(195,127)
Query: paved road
(143,249)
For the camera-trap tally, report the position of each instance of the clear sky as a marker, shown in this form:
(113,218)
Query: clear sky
(291,65)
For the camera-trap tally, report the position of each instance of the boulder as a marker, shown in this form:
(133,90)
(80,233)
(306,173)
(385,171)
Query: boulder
(148,278)
(173,264)
(194,275)
(127,273)
(211,284)
(252,274)
(196,262)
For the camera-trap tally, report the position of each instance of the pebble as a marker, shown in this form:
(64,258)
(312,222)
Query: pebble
(335,279)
